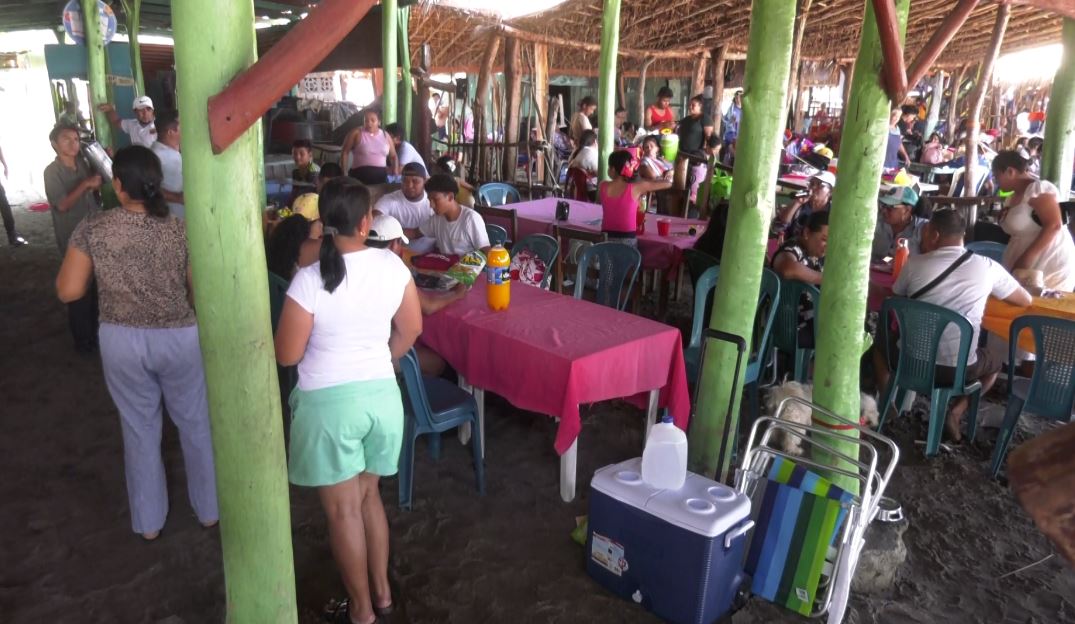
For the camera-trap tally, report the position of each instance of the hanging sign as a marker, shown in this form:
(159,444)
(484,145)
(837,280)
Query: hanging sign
(72,21)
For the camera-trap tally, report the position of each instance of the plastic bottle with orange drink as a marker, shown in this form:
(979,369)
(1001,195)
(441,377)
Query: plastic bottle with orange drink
(903,251)
(498,278)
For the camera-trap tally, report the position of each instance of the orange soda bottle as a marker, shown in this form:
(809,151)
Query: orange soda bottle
(903,251)
(498,278)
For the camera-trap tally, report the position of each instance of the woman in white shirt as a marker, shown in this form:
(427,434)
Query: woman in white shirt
(1039,241)
(346,318)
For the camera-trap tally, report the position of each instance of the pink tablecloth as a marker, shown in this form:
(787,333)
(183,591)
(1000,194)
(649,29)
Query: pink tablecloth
(658,252)
(880,289)
(548,353)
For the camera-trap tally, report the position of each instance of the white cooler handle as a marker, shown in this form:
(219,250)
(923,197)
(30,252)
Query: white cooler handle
(730,536)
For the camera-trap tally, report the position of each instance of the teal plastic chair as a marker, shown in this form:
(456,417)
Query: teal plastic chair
(990,249)
(768,302)
(921,325)
(543,246)
(277,294)
(497,235)
(1050,392)
(786,324)
(498,194)
(617,266)
(432,406)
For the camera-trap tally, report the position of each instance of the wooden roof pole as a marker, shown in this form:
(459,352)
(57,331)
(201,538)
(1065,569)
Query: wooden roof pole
(1060,7)
(523,35)
(255,90)
(930,52)
(541,103)
(719,62)
(796,64)
(642,91)
(1060,131)
(893,71)
(513,79)
(481,98)
(423,142)
(953,100)
(977,98)
(698,77)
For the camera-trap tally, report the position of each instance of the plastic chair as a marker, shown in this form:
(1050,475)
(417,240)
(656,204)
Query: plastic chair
(1050,392)
(433,405)
(498,194)
(568,261)
(768,302)
(697,263)
(617,266)
(921,326)
(504,217)
(543,246)
(277,294)
(578,181)
(497,235)
(989,249)
(786,325)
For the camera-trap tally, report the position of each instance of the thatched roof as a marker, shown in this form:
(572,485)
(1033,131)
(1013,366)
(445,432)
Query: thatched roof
(832,31)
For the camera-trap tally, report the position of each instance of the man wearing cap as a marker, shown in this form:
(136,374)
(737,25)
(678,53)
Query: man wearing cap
(167,150)
(897,221)
(141,129)
(793,217)
(387,233)
(409,205)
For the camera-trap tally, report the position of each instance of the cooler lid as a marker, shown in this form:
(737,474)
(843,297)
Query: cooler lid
(701,506)
(623,482)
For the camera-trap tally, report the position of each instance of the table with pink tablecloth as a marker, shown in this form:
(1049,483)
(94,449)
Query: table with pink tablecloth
(550,353)
(880,288)
(658,252)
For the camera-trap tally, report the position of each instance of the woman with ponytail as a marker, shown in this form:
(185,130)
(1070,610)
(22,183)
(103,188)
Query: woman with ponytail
(148,336)
(620,197)
(345,319)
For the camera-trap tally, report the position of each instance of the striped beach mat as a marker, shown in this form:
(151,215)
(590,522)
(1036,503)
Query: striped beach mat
(799,515)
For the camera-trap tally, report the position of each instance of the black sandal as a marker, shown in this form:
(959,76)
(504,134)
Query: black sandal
(338,612)
(384,611)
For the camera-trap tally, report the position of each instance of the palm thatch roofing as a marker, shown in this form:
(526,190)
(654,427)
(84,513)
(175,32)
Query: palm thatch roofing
(693,27)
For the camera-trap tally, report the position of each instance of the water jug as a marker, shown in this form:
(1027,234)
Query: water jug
(664,460)
(498,278)
(903,251)
(669,145)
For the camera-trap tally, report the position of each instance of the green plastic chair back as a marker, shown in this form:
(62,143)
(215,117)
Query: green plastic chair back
(617,269)
(497,235)
(1050,392)
(498,194)
(990,249)
(786,323)
(543,246)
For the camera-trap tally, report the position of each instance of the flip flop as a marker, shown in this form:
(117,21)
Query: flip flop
(338,612)
(384,611)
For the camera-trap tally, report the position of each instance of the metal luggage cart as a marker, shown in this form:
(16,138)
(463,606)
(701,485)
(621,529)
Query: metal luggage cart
(874,472)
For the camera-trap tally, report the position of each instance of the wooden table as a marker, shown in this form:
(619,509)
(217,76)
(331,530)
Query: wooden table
(999,316)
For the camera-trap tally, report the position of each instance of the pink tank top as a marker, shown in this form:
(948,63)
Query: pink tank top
(371,150)
(619,214)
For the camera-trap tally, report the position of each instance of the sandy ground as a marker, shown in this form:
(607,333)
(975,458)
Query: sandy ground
(69,556)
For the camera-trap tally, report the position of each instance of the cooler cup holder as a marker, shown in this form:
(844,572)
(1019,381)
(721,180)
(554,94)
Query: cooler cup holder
(722,494)
(629,477)
(699,506)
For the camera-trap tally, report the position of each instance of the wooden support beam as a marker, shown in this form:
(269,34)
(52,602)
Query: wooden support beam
(541,102)
(423,142)
(792,103)
(132,9)
(513,79)
(934,112)
(642,91)
(894,73)
(255,90)
(849,72)
(1060,7)
(698,77)
(481,101)
(930,52)
(953,100)
(719,56)
(981,87)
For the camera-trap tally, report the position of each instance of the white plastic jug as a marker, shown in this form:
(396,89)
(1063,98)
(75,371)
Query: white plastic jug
(664,460)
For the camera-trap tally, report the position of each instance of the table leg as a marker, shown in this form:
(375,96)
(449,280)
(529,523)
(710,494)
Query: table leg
(651,413)
(479,398)
(568,465)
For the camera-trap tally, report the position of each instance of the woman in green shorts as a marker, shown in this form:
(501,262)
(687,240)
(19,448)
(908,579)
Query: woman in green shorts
(346,318)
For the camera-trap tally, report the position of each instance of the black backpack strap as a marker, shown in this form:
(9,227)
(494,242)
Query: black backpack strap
(940,278)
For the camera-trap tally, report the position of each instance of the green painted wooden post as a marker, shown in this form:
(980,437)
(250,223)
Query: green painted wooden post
(765,86)
(1056,162)
(95,70)
(389,56)
(842,308)
(606,84)
(405,64)
(214,42)
(133,10)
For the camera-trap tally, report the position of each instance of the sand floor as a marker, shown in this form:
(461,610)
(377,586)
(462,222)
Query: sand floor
(69,555)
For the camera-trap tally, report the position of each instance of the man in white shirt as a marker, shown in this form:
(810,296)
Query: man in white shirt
(456,229)
(404,150)
(167,149)
(141,129)
(409,205)
(964,290)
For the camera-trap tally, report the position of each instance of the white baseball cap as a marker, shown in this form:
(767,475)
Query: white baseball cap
(386,228)
(826,177)
(142,102)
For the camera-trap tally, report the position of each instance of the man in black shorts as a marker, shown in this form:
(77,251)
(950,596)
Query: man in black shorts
(965,290)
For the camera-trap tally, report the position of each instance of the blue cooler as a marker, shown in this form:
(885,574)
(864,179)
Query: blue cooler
(678,553)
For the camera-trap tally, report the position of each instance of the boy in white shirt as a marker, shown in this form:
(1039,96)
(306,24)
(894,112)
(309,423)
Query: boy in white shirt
(409,205)
(456,229)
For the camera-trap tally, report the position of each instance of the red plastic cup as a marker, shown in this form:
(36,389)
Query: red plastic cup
(664,227)
(515,275)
